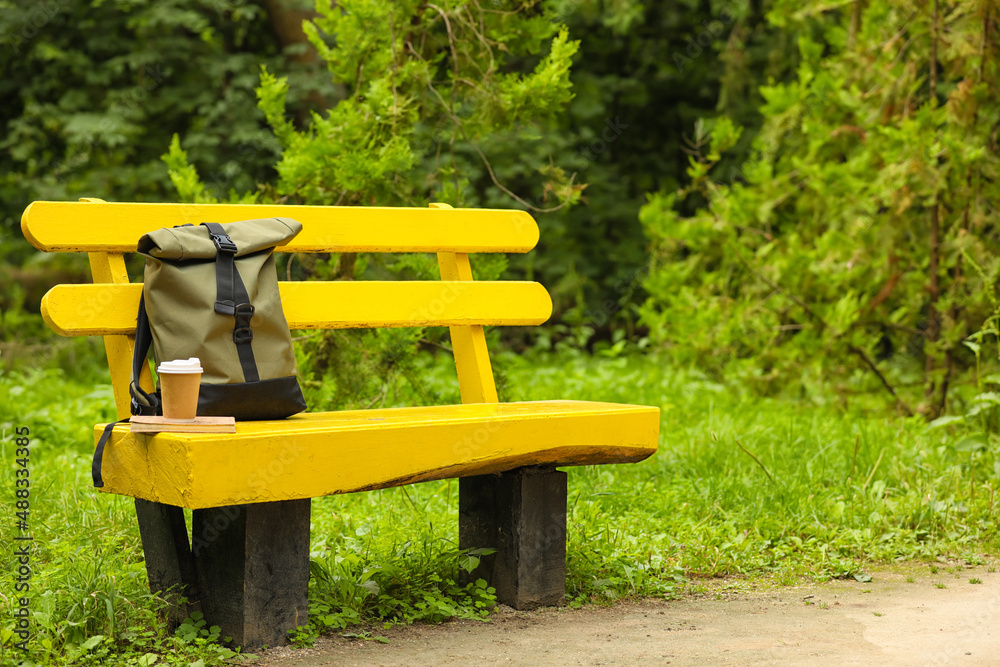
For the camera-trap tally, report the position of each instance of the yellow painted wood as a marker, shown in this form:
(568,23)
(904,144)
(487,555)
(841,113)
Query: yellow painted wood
(119,351)
(472,362)
(110,268)
(116,227)
(91,310)
(319,454)
(472,358)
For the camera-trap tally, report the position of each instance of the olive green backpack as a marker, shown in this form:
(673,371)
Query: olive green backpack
(211,291)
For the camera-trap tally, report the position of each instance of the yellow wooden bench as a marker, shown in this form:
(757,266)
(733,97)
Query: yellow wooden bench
(247,563)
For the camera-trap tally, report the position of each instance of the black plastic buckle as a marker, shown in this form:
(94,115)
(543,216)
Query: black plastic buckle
(138,408)
(223,242)
(224,308)
(242,333)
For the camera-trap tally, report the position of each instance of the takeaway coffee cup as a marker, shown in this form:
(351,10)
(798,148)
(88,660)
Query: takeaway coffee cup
(179,383)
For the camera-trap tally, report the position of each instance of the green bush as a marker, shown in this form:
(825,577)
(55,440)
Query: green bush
(842,258)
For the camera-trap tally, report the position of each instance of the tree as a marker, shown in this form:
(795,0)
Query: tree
(857,250)
(645,72)
(94,90)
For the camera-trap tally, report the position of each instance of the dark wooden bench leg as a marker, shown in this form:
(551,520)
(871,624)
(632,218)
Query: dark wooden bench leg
(521,514)
(169,563)
(252,564)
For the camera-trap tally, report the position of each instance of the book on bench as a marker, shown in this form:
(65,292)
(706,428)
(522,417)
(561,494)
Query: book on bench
(150,424)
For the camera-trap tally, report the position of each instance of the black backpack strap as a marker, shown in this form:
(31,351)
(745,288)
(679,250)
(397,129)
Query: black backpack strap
(231,298)
(225,269)
(142,403)
(95,469)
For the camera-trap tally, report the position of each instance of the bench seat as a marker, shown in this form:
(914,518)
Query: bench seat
(323,453)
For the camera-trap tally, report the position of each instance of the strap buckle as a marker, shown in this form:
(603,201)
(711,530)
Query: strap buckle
(242,332)
(223,242)
(138,408)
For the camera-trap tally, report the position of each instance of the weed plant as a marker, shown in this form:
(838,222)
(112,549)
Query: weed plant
(740,487)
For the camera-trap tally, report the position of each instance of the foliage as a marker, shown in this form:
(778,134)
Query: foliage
(642,73)
(840,260)
(26,342)
(981,417)
(93,91)
(349,586)
(424,86)
(645,72)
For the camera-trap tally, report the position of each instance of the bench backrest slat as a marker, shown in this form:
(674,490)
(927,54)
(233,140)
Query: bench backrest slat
(116,227)
(104,309)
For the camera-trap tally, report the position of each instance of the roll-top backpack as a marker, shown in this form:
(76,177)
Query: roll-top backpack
(211,291)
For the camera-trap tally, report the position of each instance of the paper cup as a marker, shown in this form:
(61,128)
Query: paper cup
(180,381)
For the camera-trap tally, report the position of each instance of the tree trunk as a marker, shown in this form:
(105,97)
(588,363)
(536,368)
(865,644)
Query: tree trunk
(286,19)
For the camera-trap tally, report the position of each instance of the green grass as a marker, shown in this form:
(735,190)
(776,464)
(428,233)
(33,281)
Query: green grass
(824,493)
(741,486)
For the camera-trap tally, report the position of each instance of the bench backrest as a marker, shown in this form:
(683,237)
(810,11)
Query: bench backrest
(106,231)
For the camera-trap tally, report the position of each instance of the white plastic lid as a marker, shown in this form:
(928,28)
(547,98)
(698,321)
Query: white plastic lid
(192,365)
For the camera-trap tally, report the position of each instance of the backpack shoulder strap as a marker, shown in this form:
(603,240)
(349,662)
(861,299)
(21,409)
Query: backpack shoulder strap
(95,468)
(142,403)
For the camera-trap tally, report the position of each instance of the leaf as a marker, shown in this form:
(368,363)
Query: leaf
(988,397)
(468,562)
(972,443)
(862,577)
(92,642)
(944,421)
(481,551)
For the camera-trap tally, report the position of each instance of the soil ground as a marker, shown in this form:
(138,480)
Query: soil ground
(904,616)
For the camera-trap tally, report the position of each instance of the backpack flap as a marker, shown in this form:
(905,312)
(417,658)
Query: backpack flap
(191,242)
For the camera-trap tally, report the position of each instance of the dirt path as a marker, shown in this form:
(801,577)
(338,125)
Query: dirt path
(932,619)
